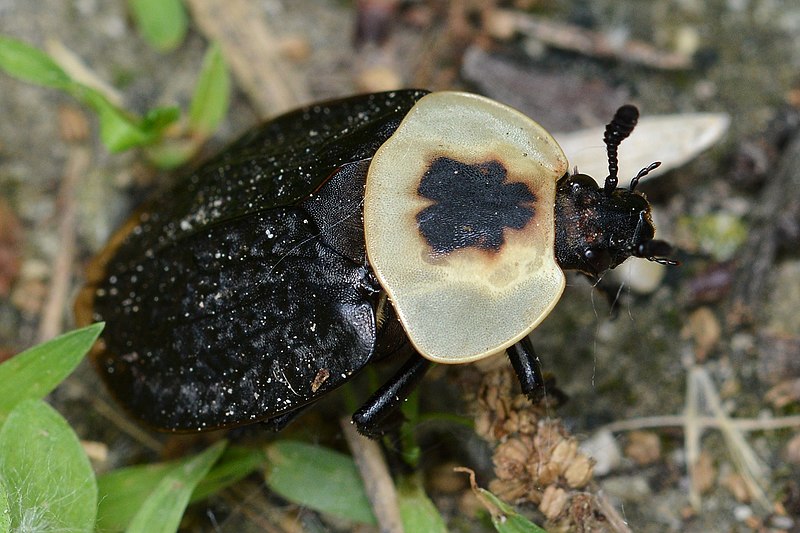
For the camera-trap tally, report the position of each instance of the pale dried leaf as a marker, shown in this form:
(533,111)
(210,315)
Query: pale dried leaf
(672,139)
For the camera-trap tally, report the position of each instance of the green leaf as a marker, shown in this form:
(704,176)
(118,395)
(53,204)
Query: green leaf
(35,372)
(162,23)
(49,481)
(158,119)
(410,449)
(506,519)
(171,153)
(417,511)
(211,95)
(164,507)
(318,478)
(236,463)
(118,129)
(123,491)
(30,64)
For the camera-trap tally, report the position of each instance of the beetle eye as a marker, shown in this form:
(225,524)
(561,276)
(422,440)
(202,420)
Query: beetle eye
(598,259)
(578,182)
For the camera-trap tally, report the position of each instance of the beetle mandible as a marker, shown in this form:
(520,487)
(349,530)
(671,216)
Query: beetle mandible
(322,240)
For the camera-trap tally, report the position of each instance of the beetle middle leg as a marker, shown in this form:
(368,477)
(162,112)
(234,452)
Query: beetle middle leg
(381,412)
(535,385)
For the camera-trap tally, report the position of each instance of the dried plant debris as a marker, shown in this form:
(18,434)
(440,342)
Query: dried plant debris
(704,410)
(644,447)
(784,393)
(704,330)
(528,465)
(535,458)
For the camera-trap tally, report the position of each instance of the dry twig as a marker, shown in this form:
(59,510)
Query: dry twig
(53,312)
(596,44)
(377,480)
(254,55)
(701,393)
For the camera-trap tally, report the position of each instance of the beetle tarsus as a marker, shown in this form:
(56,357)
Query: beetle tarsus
(380,413)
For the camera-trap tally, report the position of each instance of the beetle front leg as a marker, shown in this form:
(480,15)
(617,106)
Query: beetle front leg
(380,413)
(529,371)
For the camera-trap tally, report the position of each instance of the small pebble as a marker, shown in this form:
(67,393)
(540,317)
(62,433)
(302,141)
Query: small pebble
(605,450)
(742,512)
(377,79)
(644,447)
(792,450)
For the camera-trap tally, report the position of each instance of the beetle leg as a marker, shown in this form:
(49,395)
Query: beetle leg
(529,371)
(380,412)
(277,423)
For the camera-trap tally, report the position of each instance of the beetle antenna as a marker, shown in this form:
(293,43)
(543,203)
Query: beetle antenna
(616,131)
(642,173)
(656,250)
(664,261)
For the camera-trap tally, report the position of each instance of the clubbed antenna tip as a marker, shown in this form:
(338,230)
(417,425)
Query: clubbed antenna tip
(618,130)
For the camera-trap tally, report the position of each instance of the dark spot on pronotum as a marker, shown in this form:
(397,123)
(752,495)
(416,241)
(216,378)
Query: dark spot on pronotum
(473,205)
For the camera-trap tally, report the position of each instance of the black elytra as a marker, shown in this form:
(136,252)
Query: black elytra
(244,293)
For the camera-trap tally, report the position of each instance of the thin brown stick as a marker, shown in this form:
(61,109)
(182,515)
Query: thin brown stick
(615,520)
(73,64)
(595,44)
(250,504)
(114,416)
(377,480)
(53,312)
(701,391)
(691,438)
(253,53)
(751,468)
(742,424)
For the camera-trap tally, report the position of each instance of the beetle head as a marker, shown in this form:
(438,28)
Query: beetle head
(599,228)
(596,231)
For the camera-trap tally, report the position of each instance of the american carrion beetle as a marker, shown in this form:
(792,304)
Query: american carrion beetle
(279,269)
